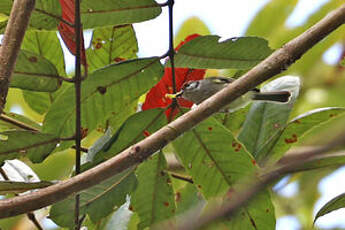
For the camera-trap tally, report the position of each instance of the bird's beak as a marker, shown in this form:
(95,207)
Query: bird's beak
(171,96)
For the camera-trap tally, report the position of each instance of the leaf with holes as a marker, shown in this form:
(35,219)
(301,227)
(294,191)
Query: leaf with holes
(111,44)
(216,160)
(41,17)
(105,93)
(290,134)
(45,44)
(7,187)
(265,119)
(153,200)
(34,145)
(34,72)
(97,201)
(208,53)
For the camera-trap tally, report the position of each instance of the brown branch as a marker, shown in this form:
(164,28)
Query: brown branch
(13,37)
(181,177)
(242,193)
(17,123)
(274,64)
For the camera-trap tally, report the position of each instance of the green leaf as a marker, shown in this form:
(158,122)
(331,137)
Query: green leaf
(332,205)
(40,18)
(233,121)
(291,133)
(98,201)
(3,18)
(208,53)
(9,121)
(108,12)
(34,72)
(47,45)
(192,25)
(5,6)
(93,13)
(342,62)
(153,200)
(273,14)
(38,101)
(187,198)
(133,130)
(105,93)
(216,161)
(120,218)
(323,161)
(111,44)
(36,146)
(265,119)
(18,187)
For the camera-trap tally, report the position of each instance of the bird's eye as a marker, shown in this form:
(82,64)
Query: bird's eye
(191,85)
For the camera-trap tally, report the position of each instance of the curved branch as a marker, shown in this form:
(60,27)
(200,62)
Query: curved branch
(13,37)
(244,192)
(274,64)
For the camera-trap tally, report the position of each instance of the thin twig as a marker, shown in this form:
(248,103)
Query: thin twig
(31,216)
(171,44)
(164,4)
(249,187)
(181,177)
(77,84)
(171,53)
(271,66)
(17,123)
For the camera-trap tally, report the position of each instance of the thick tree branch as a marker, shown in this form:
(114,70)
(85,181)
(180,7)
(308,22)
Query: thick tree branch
(274,64)
(13,37)
(245,191)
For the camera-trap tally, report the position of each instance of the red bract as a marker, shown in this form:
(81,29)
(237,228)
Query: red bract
(67,32)
(156,98)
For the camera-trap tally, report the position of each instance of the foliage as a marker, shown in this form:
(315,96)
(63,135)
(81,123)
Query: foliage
(216,154)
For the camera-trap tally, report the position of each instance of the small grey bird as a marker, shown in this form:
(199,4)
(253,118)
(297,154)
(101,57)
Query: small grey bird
(200,90)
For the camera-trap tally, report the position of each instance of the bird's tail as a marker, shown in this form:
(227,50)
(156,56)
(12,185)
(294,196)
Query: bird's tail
(278,96)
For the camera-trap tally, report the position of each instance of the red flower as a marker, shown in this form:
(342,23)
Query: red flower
(156,98)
